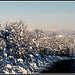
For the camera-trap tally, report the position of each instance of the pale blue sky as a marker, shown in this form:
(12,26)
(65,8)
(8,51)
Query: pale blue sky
(53,15)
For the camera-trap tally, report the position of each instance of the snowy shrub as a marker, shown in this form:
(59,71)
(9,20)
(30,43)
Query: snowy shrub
(22,51)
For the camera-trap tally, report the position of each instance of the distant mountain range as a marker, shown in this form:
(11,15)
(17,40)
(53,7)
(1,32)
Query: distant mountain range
(61,32)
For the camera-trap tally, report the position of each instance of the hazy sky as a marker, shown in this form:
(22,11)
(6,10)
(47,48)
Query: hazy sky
(53,15)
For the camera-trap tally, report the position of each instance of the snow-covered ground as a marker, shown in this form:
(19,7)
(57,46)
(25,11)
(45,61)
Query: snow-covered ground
(10,65)
(24,53)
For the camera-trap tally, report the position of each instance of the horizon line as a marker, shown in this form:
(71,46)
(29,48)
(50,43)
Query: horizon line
(48,29)
(37,1)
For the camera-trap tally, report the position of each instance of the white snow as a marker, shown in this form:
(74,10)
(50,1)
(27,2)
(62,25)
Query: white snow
(35,66)
(30,60)
(9,66)
(59,36)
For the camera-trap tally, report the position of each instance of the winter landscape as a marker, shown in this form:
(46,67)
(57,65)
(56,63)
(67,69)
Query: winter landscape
(36,47)
(25,52)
